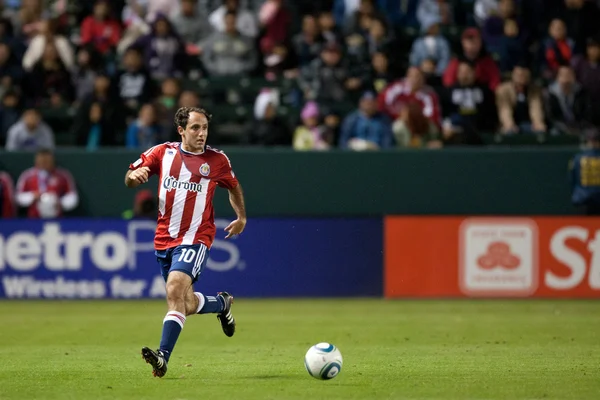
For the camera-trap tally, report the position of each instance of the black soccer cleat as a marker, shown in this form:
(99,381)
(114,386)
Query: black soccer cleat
(157,360)
(227,320)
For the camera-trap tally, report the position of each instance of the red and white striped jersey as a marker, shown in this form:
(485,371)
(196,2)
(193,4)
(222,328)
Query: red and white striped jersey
(186,188)
(58,182)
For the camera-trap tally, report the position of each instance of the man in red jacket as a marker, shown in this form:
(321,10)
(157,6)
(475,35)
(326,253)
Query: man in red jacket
(486,70)
(100,29)
(7,200)
(397,94)
(45,190)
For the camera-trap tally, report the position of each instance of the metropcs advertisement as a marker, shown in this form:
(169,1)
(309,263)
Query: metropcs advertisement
(547,257)
(97,259)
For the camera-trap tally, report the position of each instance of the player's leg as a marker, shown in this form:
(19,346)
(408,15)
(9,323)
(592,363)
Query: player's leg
(178,283)
(198,303)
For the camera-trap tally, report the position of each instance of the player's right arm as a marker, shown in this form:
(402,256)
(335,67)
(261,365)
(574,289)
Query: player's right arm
(137,177)
(147,165)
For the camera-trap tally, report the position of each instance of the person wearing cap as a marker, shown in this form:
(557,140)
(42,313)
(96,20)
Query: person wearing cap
(310,135)
(328,78)
(366,128)
(144,206)
(585,174)
(587,73)
(486,69)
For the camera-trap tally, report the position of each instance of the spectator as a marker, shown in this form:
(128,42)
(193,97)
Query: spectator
(329,30)
(581,18)
(431,46)
(310,135)
(191,25)
(275,22)
(245,21)
(10,113)
(331,125)
(7,36)
(394,97)
(97,129)
(359,22)
(189,98)
(558,47)
(144,132)
(400,12)
(432,79)
(510,48)
(366,128)
(229,53)
(567,104)
(484,9)
(49,82)
(165,108)
(144,206)
(585,174)
(438,10)
(308,43)
(493,30)
(7,196)
(587,72)
(281,62)
(519,104)
(377,38)
(11,73)
(135,25)
(413,129)
(89,64)
(45,190)
(133,82)
(329,77)
(100,29)
(38,44)
(28,20)
(30,133)
(380,74)
(100,117)
(486,69)
(163,50)
(268,129)
(468,103)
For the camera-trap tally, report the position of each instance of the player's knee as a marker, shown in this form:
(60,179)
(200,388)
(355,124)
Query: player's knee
(176,289)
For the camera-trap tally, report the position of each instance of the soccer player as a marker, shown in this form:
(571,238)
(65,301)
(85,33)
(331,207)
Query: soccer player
(189,173)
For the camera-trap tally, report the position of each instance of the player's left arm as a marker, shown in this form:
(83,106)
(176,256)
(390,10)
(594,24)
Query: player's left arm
(228,180)
(236,198)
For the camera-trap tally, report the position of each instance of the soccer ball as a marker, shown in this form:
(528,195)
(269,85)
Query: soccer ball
(323,361)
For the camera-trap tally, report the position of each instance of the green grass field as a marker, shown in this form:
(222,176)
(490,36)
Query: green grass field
(392,350)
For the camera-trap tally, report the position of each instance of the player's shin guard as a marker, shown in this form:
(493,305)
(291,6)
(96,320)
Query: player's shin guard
(172,326)
(209,304)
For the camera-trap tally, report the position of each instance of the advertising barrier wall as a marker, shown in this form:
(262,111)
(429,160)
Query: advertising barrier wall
(552,257)
(86,258)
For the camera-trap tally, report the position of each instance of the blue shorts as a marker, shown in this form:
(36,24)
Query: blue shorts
(189,259)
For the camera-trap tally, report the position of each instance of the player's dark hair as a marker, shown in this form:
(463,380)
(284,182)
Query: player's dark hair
(45,151)
(183,115)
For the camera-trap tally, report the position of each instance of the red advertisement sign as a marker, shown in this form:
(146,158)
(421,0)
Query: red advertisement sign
(492,257)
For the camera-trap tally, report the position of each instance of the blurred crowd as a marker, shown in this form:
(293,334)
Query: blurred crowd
(313,75)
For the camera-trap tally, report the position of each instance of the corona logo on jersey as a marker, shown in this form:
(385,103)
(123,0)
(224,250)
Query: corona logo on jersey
(555,257)
(170,183)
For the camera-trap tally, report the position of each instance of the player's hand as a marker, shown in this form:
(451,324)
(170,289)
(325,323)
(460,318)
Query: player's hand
(140,175)
(235,228)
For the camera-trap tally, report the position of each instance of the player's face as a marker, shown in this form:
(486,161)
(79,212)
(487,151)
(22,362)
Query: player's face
(195,133)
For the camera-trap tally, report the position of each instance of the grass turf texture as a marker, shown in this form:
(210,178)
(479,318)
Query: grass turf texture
(391,349)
